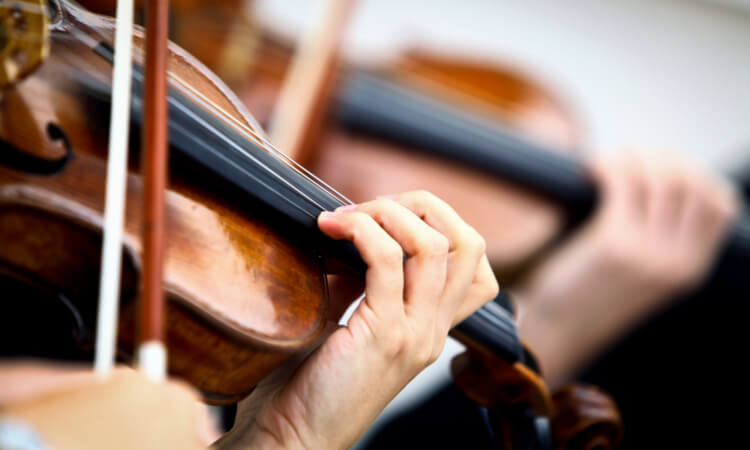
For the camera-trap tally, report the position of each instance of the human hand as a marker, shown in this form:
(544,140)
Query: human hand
(74,409)
(396,331)
(654,236)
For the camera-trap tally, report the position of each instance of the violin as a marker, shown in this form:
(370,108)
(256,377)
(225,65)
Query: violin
(245,265)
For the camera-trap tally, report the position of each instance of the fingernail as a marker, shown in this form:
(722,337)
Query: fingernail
(328,214)
(346,208)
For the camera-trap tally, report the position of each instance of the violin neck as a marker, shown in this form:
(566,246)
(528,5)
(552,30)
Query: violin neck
(493,329)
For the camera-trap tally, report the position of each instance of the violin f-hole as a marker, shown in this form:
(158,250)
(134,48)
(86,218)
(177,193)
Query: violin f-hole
(12,156)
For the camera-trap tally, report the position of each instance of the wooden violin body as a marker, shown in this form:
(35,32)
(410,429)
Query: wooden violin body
(242,296)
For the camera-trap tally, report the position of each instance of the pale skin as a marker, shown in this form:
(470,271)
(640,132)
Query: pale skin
(72,408)
(427,271)
(656,234)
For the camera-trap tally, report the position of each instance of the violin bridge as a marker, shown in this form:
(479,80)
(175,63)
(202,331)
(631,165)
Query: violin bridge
(24,38)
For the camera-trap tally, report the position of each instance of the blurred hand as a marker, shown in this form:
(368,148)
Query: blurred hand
(396,331)
(654,236)
(25,380)
(73,409)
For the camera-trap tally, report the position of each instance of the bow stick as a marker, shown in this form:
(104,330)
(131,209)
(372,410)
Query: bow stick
(151,352)
(152,355)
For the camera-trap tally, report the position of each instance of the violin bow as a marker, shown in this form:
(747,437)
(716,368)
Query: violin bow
(310,81)
(151,353)
(114,204)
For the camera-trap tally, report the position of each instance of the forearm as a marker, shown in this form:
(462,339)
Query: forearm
(566,333)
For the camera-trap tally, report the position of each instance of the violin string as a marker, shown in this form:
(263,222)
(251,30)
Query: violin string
(265,143)
(186,110)
(210,105)
(234,145)
(260,139)
(258,136)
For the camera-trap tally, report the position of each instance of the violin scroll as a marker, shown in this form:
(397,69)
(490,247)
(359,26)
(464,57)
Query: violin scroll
(576,417)
(499,383)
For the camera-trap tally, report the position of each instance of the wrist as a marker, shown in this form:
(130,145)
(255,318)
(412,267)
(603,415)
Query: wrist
(282,434)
